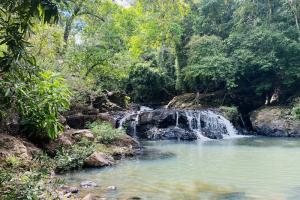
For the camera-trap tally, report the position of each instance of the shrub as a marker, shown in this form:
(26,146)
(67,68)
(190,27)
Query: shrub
(25,181)
(296,112)
(73,158)
(41,101)
(104,132)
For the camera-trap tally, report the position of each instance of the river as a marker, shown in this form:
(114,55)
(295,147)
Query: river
(231,169)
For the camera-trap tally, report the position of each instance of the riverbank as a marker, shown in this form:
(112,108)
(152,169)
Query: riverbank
(91,140)
(30,171)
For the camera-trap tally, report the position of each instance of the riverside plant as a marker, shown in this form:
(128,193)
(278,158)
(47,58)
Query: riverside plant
(104,132)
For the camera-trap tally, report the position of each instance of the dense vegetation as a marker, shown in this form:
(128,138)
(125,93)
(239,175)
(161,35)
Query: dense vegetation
(56,51)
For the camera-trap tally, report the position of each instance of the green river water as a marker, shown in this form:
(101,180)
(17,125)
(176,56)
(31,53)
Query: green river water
(232,169)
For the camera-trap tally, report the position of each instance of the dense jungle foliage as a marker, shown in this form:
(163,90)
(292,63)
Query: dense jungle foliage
(56,51)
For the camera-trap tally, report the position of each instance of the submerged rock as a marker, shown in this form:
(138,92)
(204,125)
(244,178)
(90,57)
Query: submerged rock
(112,187)
(99,159)
(88,184)
(232,196)
(154,154)
(275,122)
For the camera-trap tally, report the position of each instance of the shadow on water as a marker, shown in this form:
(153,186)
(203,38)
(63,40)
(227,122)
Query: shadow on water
(268,142)
(150,154)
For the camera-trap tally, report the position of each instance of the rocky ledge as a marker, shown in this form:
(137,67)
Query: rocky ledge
(275,122)
(173,124)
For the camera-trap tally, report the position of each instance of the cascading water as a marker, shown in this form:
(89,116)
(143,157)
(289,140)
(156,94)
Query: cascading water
(203,124)
(177,119)
(200,121)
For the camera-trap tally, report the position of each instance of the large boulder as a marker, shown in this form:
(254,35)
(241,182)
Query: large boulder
(69,138)
(83,134)
(80,115)
(16,147)
(275,122)
(98,159)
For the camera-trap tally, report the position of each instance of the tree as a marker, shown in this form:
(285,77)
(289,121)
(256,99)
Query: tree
(24,88)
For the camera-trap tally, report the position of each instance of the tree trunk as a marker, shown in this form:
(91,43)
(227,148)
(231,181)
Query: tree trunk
(178,84)
(162,52)
(270,10)
(69,24)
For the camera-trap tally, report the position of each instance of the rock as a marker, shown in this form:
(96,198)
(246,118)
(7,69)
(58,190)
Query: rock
(68,195)
(112,187)
(79,120)
(17,147)
(275,122)
(98,159)
(126,141)
(108,117)
(118,98)
(73,190)
(69,138)
(88,197)
(194,101)
(103,103)
(62,119)
(83,134)
(88,184)
(155,154)
(134,198)
(67,189)
(165,124)
(171,134)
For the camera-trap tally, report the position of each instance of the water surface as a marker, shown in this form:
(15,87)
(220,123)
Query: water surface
(231,169)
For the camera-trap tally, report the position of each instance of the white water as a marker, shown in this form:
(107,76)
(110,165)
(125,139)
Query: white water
(145,108)
(197,121)
(212,121)
(177,118)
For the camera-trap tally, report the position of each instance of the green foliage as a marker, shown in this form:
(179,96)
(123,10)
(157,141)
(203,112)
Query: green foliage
(16,20)
(231,113)
(104,132)
(13,161)
(41,102)
(208,67)
(296,111)
(147,84)
(26,181)
(73,158)
(23,187)
(246,48)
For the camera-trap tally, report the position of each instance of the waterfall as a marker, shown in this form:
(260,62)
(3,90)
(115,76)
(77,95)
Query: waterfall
(177,118)
(206,120)
(134,117)
(203,124)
